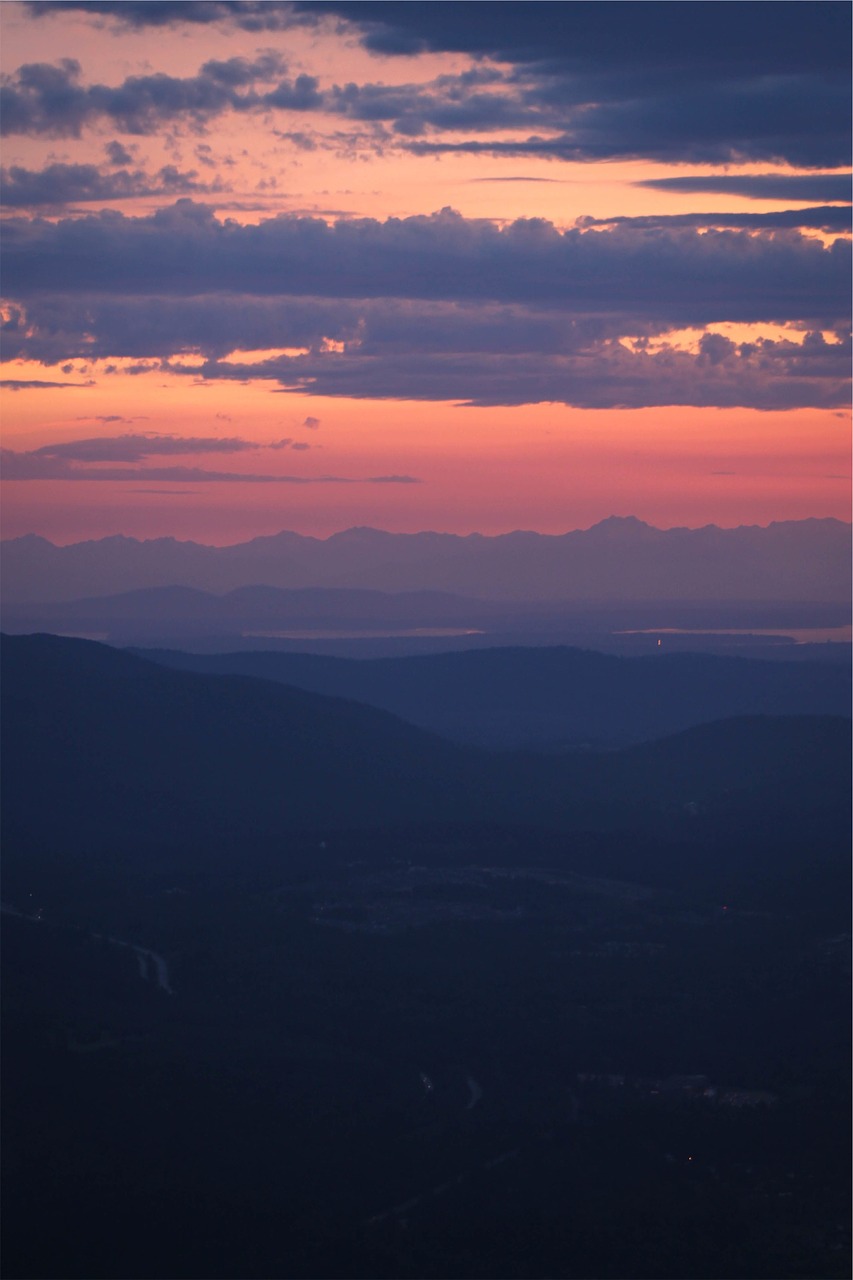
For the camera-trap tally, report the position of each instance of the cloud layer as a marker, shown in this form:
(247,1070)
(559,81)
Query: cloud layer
(439,307)
(675,276)
(665,82)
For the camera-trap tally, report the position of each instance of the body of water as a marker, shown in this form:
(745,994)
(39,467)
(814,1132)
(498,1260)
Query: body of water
(800,635)
(384,634)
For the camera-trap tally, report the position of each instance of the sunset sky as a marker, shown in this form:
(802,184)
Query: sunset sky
(423,266)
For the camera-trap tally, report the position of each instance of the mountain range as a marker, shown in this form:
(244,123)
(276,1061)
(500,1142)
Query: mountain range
(619,558)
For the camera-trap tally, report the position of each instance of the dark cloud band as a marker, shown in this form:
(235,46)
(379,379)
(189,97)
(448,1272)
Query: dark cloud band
(672,276)
(823,187)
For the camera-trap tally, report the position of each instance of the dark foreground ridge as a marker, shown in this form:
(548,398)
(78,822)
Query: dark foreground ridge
(294,988)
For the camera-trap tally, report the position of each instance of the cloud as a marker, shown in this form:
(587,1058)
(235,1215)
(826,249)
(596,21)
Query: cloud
(40,465)
(830,218)
(312,424)
(135,447)
(823,187)
(118,154)
(438,307)
(248,15)
(766,375)
(520,178)
(679,275)
(45,98)
(683,40)
(36,384)
(63,184)
(677,130)
(109,417)
(664,83)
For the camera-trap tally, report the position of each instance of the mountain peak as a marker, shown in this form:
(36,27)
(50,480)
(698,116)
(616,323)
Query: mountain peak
(621,526)
(625,522)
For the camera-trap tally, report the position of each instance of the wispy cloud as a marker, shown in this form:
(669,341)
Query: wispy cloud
(38,384)
(830,218)
(136,447)
(811,187)
(73,461)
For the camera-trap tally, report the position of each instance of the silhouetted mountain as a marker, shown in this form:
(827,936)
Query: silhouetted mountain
(506,697)
(619,558)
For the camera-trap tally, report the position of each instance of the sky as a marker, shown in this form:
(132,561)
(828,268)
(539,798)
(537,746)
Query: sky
(463,267)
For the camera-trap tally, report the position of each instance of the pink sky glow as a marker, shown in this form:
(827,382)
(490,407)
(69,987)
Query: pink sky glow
(299,277)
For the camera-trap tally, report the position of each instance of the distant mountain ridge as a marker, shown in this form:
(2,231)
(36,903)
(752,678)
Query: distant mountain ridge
(621,557)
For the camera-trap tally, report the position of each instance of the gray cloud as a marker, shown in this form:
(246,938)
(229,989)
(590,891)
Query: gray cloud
(109,417)
(135,447)
(249,15)
(702,125)
(520,178)
(663,83)
(438,307)
(118,154)
(36,384)
(830,218)
(38,465)
(676,42)
(130,327)
(63,184)
(45,98)
(677,275)
(684,42)
(764,375)
(821,187)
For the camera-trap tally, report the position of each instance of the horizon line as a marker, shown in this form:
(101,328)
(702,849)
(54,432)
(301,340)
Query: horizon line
(611,519)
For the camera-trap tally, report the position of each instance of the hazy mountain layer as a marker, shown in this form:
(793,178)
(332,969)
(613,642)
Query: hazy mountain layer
(620,558)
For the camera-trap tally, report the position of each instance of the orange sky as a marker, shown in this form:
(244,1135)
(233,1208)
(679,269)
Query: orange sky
(549,466)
